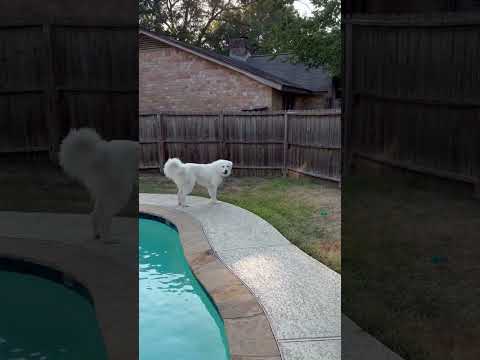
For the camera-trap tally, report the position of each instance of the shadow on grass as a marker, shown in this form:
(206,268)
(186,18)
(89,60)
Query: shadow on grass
(410,272)
(40,186)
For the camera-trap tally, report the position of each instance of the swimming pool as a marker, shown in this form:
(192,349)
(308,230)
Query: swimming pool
(177,318)
(42,319)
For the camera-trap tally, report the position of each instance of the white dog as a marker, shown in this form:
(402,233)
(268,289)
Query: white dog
(185,176)
(108,169)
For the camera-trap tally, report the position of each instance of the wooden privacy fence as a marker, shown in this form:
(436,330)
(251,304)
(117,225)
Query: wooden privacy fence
(274,142)
(64,74)
(411,93)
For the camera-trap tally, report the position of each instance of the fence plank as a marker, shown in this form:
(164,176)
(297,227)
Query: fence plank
(162,151)
(51,99)
(306,142)
(58,77)
(285,145)
(223,145)
(429,128)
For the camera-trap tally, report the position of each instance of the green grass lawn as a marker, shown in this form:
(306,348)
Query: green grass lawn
(306,212)
(410,273)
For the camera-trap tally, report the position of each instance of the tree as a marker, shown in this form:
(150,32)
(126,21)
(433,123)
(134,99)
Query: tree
(272,26)
(254,21)
(186,20)
(314,41)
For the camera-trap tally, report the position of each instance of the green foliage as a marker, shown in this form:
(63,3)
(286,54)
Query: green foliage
(272,27)
(186,20)
(314,41)
(254,22)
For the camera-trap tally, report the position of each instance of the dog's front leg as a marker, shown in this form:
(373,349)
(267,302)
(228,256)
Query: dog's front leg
(181,198)
(186,189)
(212,191)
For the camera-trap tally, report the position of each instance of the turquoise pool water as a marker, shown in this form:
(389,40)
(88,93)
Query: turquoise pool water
(42,319)
(177,318)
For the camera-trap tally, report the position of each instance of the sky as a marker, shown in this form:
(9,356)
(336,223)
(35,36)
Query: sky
(304,7)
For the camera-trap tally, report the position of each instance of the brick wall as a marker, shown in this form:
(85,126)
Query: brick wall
(174,80)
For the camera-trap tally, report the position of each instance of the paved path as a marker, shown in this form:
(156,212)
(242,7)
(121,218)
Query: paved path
(301,296)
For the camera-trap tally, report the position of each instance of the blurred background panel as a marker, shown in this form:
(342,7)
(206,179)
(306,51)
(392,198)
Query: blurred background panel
(65,64)
(411,176)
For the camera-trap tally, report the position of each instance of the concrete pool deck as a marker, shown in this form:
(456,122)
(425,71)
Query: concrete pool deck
(300,296)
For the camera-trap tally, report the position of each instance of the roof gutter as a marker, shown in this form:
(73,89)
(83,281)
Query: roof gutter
(296,90)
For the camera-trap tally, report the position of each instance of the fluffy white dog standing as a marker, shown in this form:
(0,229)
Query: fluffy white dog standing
(185,176)
(108,169)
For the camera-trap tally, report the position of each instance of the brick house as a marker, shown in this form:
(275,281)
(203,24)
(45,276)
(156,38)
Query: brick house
(175,76)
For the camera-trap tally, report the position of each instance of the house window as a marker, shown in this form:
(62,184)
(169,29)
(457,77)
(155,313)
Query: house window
(288,101)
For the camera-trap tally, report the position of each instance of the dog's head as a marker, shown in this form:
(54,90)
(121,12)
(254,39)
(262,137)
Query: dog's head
(224,167)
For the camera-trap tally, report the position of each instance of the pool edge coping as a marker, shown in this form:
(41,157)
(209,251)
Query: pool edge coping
(247,325)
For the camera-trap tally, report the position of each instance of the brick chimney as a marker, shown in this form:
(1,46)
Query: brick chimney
(239,48)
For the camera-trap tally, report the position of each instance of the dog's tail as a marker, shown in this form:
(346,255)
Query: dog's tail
(173,167)
(78,152)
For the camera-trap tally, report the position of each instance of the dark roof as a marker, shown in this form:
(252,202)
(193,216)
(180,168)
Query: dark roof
(273,71)
(313,79)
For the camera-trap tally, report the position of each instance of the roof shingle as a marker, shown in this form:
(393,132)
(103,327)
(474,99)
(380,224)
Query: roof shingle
(313,79)
(292,77)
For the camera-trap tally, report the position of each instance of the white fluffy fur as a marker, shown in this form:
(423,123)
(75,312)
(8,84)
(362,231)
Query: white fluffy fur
(108,169)
(185,176)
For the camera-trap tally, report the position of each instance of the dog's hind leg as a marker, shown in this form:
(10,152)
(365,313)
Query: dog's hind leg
(95,221)
(102,220)
(106,229)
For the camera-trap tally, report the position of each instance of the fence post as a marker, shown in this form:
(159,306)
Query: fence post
(223,149)
(285,144)
(50,92)
(162,149)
